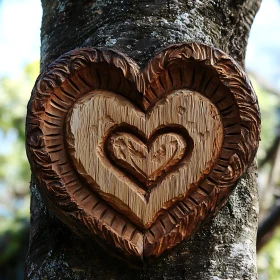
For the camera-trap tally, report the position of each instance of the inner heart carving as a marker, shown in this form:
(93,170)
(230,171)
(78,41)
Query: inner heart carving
(148,159)
(139,159)
(103,112)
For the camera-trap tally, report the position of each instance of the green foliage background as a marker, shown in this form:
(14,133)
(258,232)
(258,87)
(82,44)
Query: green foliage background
(269,259)
(14,172)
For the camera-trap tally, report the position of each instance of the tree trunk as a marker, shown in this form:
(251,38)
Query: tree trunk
(225,247)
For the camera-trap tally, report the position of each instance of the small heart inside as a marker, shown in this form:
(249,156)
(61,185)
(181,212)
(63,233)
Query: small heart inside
(148,160)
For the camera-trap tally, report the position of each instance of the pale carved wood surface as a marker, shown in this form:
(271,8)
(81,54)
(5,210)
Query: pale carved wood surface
(192,105)
(146,160)
(182,112)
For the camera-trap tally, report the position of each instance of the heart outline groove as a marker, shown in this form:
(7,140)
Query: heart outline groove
(114,113)
(148,142)
(191,66)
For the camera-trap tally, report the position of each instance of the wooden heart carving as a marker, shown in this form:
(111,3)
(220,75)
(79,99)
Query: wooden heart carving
(139,159)
(102,111)
(150,159)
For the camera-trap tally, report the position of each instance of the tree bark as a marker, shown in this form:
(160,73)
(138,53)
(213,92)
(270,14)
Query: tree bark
(225,247)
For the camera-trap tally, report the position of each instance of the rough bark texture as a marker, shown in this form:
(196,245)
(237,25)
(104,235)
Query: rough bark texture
(225,247)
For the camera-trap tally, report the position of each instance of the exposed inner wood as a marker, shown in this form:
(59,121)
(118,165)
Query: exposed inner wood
(147,161)
(147,155)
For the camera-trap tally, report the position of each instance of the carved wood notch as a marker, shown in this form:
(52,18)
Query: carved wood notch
(140,158)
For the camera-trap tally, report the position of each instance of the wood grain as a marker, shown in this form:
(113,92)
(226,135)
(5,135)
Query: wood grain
(150,154)
(147,160)
(92,118)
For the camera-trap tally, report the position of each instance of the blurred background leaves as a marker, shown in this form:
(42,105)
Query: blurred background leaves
(14,171)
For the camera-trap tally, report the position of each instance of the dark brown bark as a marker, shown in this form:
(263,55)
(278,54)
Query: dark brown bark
(225,247)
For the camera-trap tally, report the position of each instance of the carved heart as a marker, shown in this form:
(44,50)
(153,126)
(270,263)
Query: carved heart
(147,160)
(102,111)
(139,159)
